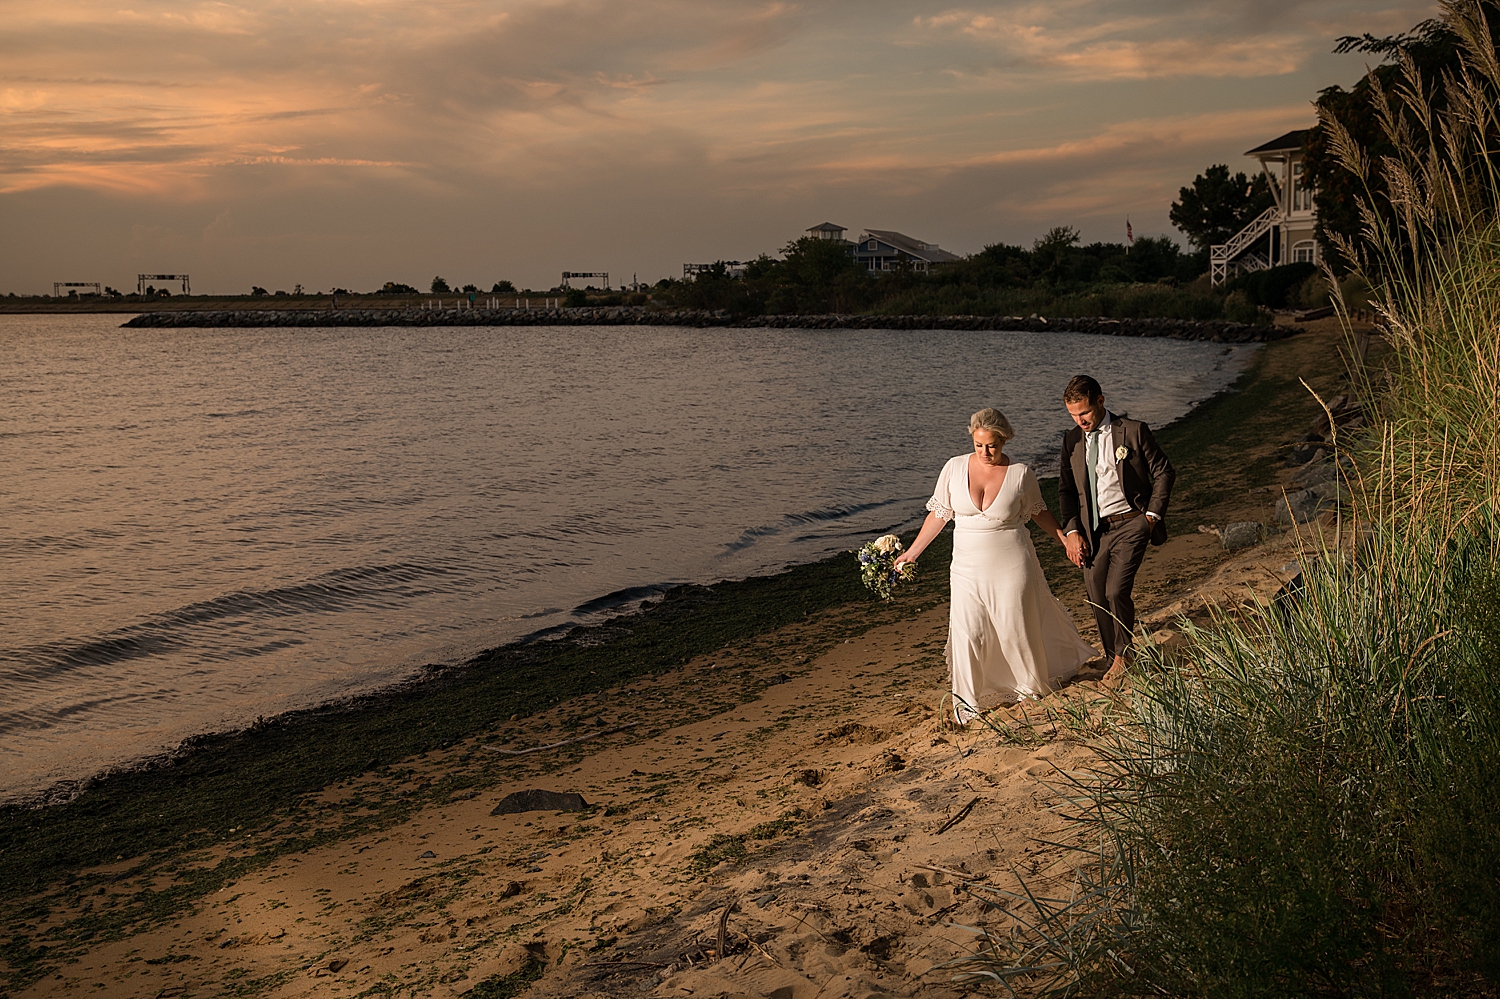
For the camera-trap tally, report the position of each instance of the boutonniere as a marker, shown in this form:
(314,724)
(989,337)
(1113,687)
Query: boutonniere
(1121,453)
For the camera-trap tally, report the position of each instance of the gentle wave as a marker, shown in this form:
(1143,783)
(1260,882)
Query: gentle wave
(754,535)
(368,586)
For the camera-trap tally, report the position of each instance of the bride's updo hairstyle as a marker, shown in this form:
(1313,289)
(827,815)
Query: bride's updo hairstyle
(995,422)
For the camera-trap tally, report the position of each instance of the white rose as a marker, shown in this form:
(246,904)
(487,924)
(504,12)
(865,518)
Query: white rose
(888,545)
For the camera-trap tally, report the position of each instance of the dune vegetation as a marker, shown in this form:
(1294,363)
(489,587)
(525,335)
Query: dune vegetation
(1300,800)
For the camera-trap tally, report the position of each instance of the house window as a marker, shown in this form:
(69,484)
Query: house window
(1302,192)
(1304,252)
(874,244)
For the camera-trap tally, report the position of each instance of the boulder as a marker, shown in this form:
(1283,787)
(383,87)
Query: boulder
(540,801)
(1246,534)
(1330,491)
(1319,469)
(1304,449)
(1298,508)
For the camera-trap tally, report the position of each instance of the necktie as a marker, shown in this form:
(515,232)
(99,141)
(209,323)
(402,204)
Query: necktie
(1093,461)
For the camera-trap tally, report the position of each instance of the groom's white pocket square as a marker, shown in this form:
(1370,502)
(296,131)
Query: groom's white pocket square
(1121,452)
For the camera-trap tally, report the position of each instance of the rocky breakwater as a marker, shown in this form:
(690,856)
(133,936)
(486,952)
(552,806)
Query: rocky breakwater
(1180,329)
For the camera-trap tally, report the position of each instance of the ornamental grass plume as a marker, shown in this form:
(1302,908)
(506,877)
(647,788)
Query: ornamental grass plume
(1431,252)
(1300,800)
(1300,804)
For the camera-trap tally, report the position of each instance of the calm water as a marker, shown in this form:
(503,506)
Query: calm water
(201,526)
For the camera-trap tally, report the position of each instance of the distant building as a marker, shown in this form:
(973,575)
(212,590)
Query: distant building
(1283,233)
(732,268)
(828,230)
(885,250)
(877,249)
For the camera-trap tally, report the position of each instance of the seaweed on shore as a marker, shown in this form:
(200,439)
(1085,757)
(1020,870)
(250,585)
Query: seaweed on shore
(251,781)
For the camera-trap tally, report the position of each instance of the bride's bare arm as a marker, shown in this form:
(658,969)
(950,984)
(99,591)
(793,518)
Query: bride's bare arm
(1049,523)
(931,528)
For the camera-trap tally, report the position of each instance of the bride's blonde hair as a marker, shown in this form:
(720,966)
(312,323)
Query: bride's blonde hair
(995,422)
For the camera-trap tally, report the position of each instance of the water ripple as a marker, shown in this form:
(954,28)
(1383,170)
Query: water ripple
(204,526)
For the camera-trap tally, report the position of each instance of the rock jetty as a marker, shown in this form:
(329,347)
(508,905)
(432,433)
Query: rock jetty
(1179,329)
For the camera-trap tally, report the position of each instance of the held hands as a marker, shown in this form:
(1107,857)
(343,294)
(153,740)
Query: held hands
(1077,549)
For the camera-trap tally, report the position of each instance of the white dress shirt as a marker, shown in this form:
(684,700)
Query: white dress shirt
(1107,471)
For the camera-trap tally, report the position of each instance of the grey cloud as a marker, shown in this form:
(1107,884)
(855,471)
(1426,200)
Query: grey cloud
(636,135)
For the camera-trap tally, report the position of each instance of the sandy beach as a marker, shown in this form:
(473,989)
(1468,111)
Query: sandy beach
(787,816)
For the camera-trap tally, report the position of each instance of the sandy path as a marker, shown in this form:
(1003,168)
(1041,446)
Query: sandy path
(835,895)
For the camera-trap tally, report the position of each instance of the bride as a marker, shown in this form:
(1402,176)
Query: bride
(1008,636)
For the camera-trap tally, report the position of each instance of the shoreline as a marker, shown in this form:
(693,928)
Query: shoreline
(654,603)
(683,622)
(622,605)
(412,750)
(1182,329)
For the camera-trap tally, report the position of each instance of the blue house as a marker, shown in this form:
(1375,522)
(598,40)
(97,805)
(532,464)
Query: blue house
(885,250)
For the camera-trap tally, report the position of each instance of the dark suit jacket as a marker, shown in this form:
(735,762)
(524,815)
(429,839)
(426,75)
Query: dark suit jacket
(1145,473)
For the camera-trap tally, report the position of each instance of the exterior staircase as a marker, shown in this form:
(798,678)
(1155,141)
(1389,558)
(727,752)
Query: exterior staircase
(1236,254)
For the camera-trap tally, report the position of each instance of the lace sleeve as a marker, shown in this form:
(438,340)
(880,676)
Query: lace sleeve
(941,502)
(1031,494)
(936,507)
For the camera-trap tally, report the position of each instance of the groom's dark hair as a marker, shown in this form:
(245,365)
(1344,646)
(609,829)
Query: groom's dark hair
(1081,388)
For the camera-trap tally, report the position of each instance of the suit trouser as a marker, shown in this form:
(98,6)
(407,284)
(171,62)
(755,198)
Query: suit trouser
(1110,578)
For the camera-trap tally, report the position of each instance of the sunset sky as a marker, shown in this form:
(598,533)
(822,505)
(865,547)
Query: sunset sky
(351,142)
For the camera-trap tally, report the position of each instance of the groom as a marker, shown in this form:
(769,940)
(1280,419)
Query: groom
(1113,493)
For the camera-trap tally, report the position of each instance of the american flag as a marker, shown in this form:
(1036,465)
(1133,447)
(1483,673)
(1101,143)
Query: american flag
(1129,233)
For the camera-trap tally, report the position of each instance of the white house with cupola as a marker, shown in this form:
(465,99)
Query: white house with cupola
(1283,233)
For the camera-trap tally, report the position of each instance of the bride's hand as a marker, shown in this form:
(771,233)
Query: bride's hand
(905,557)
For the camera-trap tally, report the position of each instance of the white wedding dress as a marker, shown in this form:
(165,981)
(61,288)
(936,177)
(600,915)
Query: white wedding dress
(1008,636)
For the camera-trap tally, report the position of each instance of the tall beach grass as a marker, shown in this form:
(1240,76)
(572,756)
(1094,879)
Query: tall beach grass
(1302,799)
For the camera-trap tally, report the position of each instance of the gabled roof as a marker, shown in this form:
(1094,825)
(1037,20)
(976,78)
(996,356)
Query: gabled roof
(915,247)
(828,227)
(1290,142)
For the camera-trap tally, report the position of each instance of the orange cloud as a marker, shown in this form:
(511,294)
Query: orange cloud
(660,123)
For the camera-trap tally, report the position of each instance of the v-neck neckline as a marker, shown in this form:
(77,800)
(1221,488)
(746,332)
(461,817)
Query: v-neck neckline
(969,488)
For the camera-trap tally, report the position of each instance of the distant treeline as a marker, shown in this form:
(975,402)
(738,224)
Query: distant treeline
(1057,276)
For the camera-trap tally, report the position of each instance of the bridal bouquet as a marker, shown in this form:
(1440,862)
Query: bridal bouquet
(878,569)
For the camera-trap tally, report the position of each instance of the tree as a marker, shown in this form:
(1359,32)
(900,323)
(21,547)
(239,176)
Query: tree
(256,291)
(1218,205)
(1050,256)
(810,261)
(503,288)
(1434,50)
(440,287)
(397,288)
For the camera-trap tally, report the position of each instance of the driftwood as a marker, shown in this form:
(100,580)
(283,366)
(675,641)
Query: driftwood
(963,813)
(961,875)
(723,941)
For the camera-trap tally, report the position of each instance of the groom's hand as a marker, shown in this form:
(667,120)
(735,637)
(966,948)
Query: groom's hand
(1077,549)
